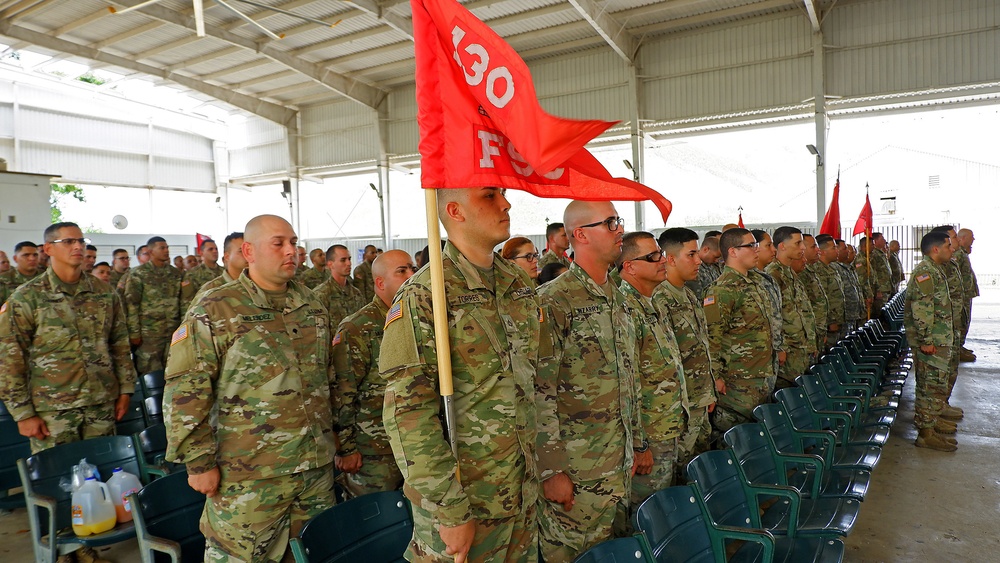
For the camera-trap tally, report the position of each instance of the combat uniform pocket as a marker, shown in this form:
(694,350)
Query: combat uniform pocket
(262,362)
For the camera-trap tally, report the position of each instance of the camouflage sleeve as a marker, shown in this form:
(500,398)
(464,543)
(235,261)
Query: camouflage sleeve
(360,280)
(551,450)
(189,288)
(412,411)
(350,361)
(17,329)
(639,433)
(121,351)
(718,309)
(132,299)
(189,396)
(921,301)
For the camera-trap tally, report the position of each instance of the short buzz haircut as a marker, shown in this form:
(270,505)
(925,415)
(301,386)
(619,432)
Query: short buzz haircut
(50,234)
(138,250)
(759,234)
(91,247)
(27,244)
(154,240)
(332,251)
(99,264)
(711,243)
(711,234)
(731,239)
(943,228)
(118,251)
(630,245)
(876,236)
(204,242)
(672,240)
(552,229)
(781,234)
(233,236)
(823,240)
(932,239)
(839,241)
(371,246)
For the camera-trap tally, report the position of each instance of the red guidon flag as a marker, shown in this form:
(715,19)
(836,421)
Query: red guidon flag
(831,221)
(481,124)
(864,224)
(198,239)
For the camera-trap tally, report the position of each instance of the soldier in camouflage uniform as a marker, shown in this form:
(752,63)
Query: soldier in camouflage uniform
(363,277)
(853,297)
(930,329)
(971,284)
(687,320)
(739,333)
(830,278)
(814,289)
(153,297)
(337,293)
(864,269)
(956,290)
(661,373)
(65,369)
(711,264)
(233,263)
(798,321)
(488,511)
(590,436)
(119,265)
(247,402)
(364,454)
(882,274)
(556,243)
(26,269)
(769,290)
(895,266)
(142,256)
(316,275)
(209,268)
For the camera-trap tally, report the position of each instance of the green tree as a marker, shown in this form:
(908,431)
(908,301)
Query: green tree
(59,194)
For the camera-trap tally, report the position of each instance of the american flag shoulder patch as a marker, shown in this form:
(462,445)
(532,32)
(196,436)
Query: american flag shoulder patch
(395,313)
(336,339)
(710,300)
(3,309)
(923,278)
(180,334)
(541,315)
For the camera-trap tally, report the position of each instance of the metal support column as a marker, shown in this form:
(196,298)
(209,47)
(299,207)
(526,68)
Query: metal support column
(292,139)
(15,166)
(382,126)
(638,145)
(822,123)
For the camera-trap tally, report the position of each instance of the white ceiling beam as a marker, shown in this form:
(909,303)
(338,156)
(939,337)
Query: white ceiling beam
(813,10)
(351,88)
(613,33)
(709,17)
(399,23)
(273,112)
(187,63)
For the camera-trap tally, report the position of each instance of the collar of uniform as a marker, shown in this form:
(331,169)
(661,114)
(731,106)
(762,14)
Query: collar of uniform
(590,283)
(383,309)
(645,302)
(668,287)
(225,276)
(786,270)
(59,286)
(296,293)
(504,276)
(736,273)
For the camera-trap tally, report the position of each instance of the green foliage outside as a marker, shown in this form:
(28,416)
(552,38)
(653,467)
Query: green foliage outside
(59,194)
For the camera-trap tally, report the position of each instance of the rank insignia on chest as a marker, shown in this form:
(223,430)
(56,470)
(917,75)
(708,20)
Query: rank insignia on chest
(395,313)
(180,334)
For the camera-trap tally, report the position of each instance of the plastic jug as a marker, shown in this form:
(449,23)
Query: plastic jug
(122,484)
(93,511)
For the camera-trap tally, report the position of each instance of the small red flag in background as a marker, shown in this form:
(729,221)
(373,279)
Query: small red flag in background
(476,102)
(864,224)
(831,221)
(739,222)
(198,239)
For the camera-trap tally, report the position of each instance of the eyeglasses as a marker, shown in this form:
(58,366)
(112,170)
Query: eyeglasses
(653,257)
(613,223)
(748,245)
(530,257)
(72,241)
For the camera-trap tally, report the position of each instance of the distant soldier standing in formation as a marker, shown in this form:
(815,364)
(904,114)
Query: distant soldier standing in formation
(363,279)
(337,293)
(153,306)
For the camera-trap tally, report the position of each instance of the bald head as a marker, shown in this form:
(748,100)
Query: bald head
(269,247)
(390,270)
(261,227)
(586,212)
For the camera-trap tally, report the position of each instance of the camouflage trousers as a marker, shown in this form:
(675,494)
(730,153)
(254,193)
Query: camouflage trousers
(736,405)
(513,539)
(151,355)
(252,521)
(953,366)
(796,364)
(73,425)
(378,473)
(933,375)
(598,510)
(695,440)
(662,476)
(966,320)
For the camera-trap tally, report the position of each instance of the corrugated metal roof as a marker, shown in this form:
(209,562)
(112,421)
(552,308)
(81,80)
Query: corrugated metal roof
(360,46)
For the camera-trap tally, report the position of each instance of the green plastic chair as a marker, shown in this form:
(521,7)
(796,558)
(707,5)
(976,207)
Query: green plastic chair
(135,417)
(678,529)
(632,549)
(151,444)
(49,505)
(166,513)
(373,528)
(787,439)
(13,446)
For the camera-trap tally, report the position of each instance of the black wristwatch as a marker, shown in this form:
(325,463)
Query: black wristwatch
(642,448)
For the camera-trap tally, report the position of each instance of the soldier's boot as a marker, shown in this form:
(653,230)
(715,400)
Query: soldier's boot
(945,427)
(88,555)
(947,439)
(966,356)
(953,414)
(928,439)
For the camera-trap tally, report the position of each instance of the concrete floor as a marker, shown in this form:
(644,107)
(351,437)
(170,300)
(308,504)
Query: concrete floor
(922,506)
